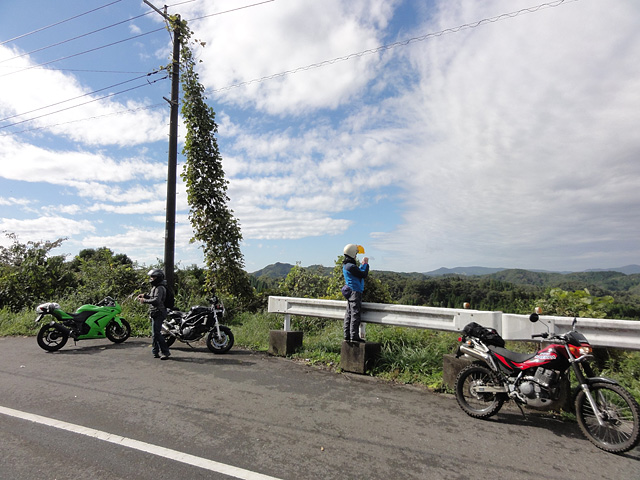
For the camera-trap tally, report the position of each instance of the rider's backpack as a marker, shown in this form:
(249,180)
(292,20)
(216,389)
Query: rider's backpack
(490,336)
(170,299)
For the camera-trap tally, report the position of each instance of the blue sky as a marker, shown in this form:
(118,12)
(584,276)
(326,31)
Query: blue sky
(489,139)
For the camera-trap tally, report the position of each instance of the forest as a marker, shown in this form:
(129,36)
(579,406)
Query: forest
(30,274)
(613,294)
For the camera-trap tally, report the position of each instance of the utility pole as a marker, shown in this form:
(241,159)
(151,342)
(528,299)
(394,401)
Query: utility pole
(170,223)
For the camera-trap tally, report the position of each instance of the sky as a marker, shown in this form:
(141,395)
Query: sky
(496,133)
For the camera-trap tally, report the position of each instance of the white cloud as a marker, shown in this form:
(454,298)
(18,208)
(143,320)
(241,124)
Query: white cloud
(48,227)
(37,93)
(520,150)
(75,168)
(286,35)
(14,201)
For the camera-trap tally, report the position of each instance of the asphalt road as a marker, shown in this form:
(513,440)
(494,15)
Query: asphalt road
(265,415)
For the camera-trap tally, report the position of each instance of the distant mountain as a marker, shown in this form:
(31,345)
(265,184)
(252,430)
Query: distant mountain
(627,270)
(281,270)
(463,271)
(275,270)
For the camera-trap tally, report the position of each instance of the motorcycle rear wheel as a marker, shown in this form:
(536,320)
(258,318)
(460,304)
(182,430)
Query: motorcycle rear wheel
(116,333)
(222,343)
(51,339)
(476,404)
(621,430)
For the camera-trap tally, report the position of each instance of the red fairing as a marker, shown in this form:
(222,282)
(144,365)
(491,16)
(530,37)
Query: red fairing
(553,357)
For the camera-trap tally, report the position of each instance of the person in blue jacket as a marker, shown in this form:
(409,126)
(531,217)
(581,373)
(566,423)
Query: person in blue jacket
(354,286)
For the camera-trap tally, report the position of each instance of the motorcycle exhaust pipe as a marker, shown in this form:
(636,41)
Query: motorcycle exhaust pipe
(61,328)
(472,352)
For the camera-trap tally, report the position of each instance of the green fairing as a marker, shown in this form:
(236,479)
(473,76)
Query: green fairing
(97,322)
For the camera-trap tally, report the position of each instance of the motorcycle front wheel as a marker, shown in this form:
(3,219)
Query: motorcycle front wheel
(51,339)
(116,333)
(220,343)
(620,431)
(477,404)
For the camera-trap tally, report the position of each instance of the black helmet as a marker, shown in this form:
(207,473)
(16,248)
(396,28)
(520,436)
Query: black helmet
(157,276)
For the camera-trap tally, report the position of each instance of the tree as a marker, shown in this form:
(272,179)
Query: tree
(29,275)
(100,273)
(302,282)
(575,304)
(212,220)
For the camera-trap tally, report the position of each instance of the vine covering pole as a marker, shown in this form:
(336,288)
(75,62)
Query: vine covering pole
(170,223)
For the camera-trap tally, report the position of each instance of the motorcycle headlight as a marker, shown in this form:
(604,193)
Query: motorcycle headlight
(582,350)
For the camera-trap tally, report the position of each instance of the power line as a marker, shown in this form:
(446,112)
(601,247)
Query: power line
(397,44)
(84,52)
(343,58)
(84,103)
(122,112)
(76,38)
(58,23)
(228,11)
(79,96)
(113,43)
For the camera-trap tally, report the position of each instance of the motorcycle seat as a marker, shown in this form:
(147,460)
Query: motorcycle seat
(513,356)
(81,317)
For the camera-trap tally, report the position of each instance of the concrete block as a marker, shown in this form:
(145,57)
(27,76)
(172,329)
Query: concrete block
(358,357)
(283,343)
(451,366)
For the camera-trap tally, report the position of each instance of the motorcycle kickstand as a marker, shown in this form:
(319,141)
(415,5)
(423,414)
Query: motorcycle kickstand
(524,415)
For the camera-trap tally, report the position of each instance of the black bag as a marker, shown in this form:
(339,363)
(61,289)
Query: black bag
(170,298)
(346,291)
(490,336)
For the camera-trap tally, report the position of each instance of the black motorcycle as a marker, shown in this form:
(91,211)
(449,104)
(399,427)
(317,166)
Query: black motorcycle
(199,321)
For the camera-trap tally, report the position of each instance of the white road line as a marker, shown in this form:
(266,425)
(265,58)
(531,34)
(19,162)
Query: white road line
(142,446)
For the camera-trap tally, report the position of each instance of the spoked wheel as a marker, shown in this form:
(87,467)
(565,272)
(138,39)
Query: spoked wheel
(475,403)
(619,413)
(51,339)
(117,333)
(220,343)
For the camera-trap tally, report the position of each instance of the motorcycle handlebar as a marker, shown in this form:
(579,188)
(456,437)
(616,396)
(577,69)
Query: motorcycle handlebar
(540,335)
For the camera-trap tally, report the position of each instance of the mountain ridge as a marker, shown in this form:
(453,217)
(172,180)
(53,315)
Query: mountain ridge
(278,270)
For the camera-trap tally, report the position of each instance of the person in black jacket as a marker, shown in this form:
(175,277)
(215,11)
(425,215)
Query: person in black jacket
(157,312)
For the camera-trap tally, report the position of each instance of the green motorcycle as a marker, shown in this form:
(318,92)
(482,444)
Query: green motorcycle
(88,322)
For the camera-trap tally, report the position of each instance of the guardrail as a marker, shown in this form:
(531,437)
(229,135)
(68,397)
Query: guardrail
(600,332)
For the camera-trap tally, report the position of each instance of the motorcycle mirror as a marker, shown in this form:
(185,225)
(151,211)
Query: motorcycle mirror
(534,317)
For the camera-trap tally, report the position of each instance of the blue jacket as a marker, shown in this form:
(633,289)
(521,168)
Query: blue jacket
(353,275)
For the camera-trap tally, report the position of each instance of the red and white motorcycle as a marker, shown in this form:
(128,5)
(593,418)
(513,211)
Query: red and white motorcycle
(607,414)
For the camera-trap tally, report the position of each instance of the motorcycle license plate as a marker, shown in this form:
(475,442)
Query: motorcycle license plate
(39,318)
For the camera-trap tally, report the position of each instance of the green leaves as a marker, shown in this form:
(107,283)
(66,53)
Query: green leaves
(28,274)
(213,222)
(575,304)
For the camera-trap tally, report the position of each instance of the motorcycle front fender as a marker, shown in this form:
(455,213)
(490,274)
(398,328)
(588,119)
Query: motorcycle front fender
(118,320)
(592,380)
